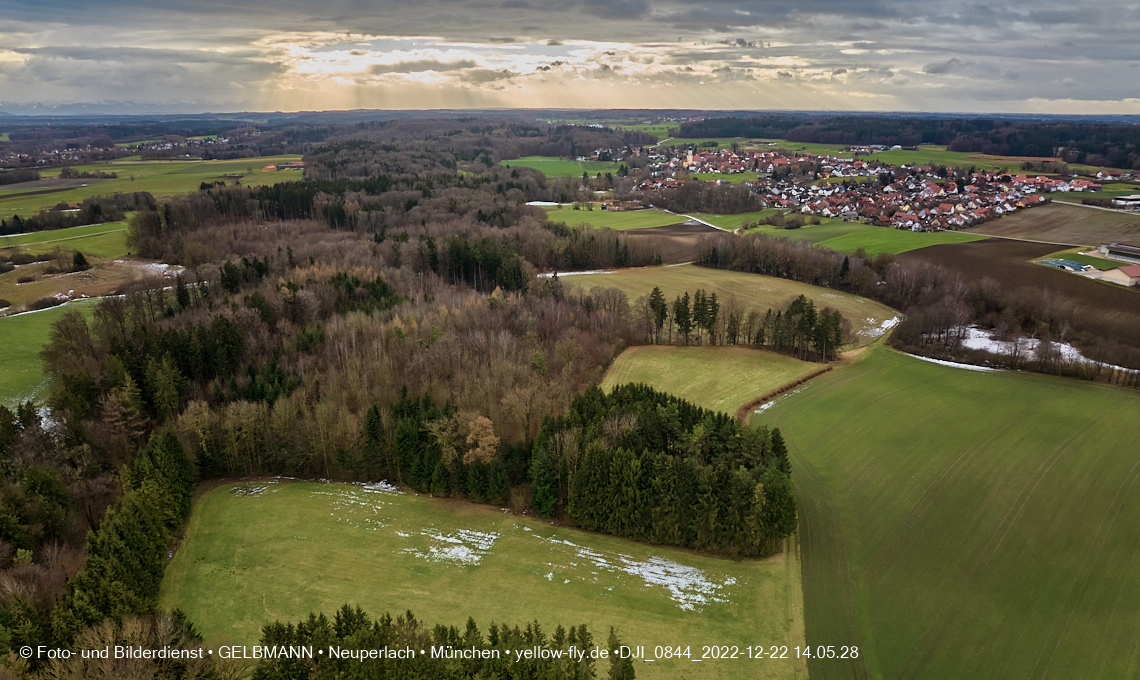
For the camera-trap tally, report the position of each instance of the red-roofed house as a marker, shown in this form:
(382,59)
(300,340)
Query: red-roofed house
(1125,276)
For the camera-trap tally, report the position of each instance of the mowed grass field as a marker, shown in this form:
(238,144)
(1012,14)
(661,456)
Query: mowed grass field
(552,166)
(717,378)
(959,524)
(161,178)
(21,339)
(622,219)
(300,547)
(752,291)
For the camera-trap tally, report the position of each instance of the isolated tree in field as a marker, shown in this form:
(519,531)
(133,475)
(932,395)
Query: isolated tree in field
(79,263)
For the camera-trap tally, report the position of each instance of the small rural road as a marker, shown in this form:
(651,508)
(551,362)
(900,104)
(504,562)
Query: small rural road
(1097,207)
(697,219)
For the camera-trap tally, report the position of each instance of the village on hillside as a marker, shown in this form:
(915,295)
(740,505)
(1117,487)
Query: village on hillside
(918,198)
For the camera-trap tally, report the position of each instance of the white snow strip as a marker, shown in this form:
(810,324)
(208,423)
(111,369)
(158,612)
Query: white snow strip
(968,367)
(689,587)
(548,275)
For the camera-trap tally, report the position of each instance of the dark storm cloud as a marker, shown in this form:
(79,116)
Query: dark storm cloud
(421,66)
(901,49)
(952,65)
(616,9)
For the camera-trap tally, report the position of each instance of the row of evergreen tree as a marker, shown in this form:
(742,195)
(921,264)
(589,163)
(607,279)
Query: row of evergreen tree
(124,565)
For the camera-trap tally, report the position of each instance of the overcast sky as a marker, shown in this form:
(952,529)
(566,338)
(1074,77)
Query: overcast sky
(1040,56)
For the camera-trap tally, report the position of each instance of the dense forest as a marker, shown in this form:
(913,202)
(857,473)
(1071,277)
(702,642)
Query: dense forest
(1116,146)
(645,465)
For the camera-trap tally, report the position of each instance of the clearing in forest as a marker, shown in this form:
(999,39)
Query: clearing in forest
(717,378)
(260,551)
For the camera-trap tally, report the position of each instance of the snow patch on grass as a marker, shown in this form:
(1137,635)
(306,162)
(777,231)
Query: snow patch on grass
(690,587)
(463,547)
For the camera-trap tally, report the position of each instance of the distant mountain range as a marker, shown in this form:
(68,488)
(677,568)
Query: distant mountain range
(31,113)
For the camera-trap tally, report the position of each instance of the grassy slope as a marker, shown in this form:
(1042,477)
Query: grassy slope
(625,219)
(717,378)
(552,166)
(22,337)
(55,234)
(307,547)
(107,240)
(751,290)
(961,524)
(161,178)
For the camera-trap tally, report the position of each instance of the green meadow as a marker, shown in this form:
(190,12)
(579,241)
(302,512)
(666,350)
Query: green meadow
(22,337)
(622,219)
(260,551)
(721,378)
(553,167)
(161,178)
(107,240)
(964,524)
(752,291)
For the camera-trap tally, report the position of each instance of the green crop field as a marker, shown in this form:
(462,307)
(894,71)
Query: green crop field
(266,550)
(752,291)
(658,130)
(940,156)
(698,143)
(161,178)
(4,137)
(107,240)
(622,219)
(732,222)
(22,337)
(877,240)
(552,166)
(838,150)
(717,378)
(961,524)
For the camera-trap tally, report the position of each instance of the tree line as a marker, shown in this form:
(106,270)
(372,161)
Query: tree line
(799,329)
(494,652)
